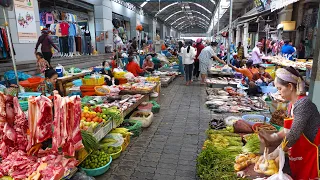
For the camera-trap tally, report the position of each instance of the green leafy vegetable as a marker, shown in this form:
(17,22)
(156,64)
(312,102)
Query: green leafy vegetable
(252,145)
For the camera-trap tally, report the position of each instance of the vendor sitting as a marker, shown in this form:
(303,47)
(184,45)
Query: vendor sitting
(48,85)
(235,61)
(148,65)
(261,78)
(248,72)
(156,61)
(134,68)
(108,74)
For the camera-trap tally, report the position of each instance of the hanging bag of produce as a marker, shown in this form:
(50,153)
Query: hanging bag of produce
(280,174)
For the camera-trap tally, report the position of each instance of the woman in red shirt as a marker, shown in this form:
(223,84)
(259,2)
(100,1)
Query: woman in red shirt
(134,68)
(199,46)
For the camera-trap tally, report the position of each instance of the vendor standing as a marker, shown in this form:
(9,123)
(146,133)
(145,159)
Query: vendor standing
(46,45)
(205,59)
(257,54)
(301,130)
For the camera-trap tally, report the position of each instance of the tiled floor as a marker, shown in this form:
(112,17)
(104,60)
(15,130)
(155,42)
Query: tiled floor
(169,147)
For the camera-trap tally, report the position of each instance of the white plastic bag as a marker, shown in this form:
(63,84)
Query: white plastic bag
(280,175)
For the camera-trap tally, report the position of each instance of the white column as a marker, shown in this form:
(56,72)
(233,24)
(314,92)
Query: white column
(103,24)
(245,38)
(238,35)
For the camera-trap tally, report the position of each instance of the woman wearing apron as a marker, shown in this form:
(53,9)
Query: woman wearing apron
(301,129)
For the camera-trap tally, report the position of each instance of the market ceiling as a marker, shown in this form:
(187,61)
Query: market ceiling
(180,14)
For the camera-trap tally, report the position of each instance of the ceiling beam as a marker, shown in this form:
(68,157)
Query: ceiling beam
(166,7)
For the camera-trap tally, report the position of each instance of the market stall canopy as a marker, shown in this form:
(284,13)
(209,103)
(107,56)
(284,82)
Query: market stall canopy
(182,15)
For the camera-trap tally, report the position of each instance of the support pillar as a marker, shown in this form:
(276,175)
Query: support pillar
(245,38)
(103,25)
(238,35)
(299,21)
(315,76)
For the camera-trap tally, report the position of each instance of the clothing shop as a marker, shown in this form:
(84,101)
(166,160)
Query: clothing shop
(4,44)
(70,28)
(124,31)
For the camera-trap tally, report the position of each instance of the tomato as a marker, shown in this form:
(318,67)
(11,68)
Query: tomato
(89,120)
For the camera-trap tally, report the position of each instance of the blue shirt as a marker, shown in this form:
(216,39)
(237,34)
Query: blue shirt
(287,50)
(72,30)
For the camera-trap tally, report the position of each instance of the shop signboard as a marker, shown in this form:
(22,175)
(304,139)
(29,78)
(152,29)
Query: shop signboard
(26,24)
(259,5)
(278,4)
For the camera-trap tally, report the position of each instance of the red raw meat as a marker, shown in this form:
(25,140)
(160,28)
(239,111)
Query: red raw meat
(77,138)
(9,109)
(10,132)
(44,121)
(3,115)
(32,116)
(74,140)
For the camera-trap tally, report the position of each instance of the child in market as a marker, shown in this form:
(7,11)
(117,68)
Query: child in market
(42,64)
(48,85)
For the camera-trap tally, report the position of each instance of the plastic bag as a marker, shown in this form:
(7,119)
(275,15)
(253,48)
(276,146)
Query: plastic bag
(129,76)
(280,175)
(81,176)
(9,75)
(116,136)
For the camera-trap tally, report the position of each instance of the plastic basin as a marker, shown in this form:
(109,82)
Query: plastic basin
(117,154)
(259,118)
(268,89)
(34,79)
(77,82)
(98,171)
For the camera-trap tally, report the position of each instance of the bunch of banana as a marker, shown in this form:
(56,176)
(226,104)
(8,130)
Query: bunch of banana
(123,131)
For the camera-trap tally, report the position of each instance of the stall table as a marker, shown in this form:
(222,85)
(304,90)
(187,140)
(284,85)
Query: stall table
(132,92)
(62,81)
(135,105)
(167,80)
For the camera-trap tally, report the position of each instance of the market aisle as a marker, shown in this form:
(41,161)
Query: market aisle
(169,147)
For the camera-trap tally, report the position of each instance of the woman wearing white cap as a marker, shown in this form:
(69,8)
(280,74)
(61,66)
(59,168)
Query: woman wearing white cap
(301,129)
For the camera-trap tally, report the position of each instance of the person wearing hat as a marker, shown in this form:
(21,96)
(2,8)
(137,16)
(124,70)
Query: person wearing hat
(257,54)
(46,45)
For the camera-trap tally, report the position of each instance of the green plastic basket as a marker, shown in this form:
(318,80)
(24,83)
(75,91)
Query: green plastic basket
(136,128)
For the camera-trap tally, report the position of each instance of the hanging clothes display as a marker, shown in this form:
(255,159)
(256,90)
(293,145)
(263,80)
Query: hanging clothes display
(4,44)
(87,36)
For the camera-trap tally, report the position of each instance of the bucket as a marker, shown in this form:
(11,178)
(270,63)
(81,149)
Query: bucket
(59,70)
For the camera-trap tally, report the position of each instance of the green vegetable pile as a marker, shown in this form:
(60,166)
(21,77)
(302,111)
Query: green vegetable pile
(252,145)
(95,160)
(216,160)
(213,163)
(89,142)
(115,114)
